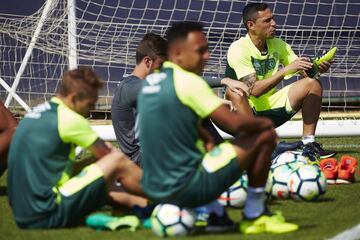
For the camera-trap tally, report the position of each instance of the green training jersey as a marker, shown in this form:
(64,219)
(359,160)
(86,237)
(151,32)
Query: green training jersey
(41,157)
(243,58)
(171,105)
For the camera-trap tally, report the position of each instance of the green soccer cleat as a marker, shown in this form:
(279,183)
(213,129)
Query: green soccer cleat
(101,221)
(327,57)
(267,224)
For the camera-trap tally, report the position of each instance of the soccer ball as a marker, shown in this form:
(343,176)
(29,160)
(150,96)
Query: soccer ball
(289,156)
(307,183)
(268,188)
(171,220)
(236,195)
(279,178)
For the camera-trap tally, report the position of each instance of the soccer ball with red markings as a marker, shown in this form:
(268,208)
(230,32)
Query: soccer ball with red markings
(170,220)
(236,195)
(307,183)
(279,179)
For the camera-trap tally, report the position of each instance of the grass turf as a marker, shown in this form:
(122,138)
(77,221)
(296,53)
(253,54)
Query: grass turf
(335,212)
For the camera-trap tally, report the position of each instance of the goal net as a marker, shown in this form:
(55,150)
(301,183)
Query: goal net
(35,49)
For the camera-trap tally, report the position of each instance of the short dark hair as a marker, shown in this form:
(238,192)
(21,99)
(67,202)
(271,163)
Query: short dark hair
(83,80)
(152,45)
(250,12)
(180,31)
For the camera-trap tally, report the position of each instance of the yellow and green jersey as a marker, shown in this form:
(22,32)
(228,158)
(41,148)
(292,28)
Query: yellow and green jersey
(243,58)
(41,157)
(171,105)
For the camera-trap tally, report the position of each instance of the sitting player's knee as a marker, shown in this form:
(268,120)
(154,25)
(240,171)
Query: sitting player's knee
(273,138)
(234,97)
(311,83)
(269,138)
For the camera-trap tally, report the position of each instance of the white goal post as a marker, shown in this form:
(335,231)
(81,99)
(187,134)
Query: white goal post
(62,34)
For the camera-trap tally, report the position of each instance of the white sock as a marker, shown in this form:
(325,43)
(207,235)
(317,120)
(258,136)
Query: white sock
(255,202)
(308,139)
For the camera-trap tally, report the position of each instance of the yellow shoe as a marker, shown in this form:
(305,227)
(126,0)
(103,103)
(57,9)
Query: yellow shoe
(267,224)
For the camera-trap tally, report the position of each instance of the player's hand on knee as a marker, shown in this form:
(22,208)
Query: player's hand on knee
(117,153)
(229,103)
(236,86)
(109,145)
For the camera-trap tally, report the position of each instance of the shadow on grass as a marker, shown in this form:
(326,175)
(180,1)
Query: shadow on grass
(200,231)
(3,191)
(307,226)
(324,199)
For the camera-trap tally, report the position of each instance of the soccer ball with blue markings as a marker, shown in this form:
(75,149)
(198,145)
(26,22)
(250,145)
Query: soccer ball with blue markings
(169,220)
(236,194)
(280,176)
(279,179)
(307,183)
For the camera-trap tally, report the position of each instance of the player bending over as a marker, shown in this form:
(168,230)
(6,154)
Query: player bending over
(181,164)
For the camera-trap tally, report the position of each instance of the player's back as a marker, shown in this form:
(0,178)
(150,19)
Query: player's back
(33,162)
(168,132)
(123,113)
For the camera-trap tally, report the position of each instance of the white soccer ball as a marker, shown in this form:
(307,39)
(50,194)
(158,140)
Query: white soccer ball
(268,187)
(289,156)
(307,183)
(279,178)
(171,220)
(236,195)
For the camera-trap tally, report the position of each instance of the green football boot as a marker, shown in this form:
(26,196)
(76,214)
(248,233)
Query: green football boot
(267,224)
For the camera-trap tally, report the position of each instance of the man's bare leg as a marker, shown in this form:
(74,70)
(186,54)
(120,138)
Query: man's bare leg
(254,151)
(116,166)
(307,94)
(241,103)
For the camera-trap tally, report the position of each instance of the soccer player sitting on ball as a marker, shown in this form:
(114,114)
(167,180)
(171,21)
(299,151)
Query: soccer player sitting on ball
(181,164)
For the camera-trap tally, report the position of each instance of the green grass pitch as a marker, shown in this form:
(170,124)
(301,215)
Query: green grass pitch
(336,211)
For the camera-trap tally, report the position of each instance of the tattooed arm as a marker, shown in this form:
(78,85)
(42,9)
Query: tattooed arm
(263,86)
(258,88)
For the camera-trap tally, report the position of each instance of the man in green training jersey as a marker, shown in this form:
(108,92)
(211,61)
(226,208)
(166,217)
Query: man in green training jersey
(43,192)
(181,164)
(255,59)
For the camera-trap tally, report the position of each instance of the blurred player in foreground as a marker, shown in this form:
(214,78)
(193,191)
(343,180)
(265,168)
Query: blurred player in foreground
(42,190)
(150,55)
(181,163)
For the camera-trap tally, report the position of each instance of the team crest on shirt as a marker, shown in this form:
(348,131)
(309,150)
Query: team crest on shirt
(262,66)
(215,152)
